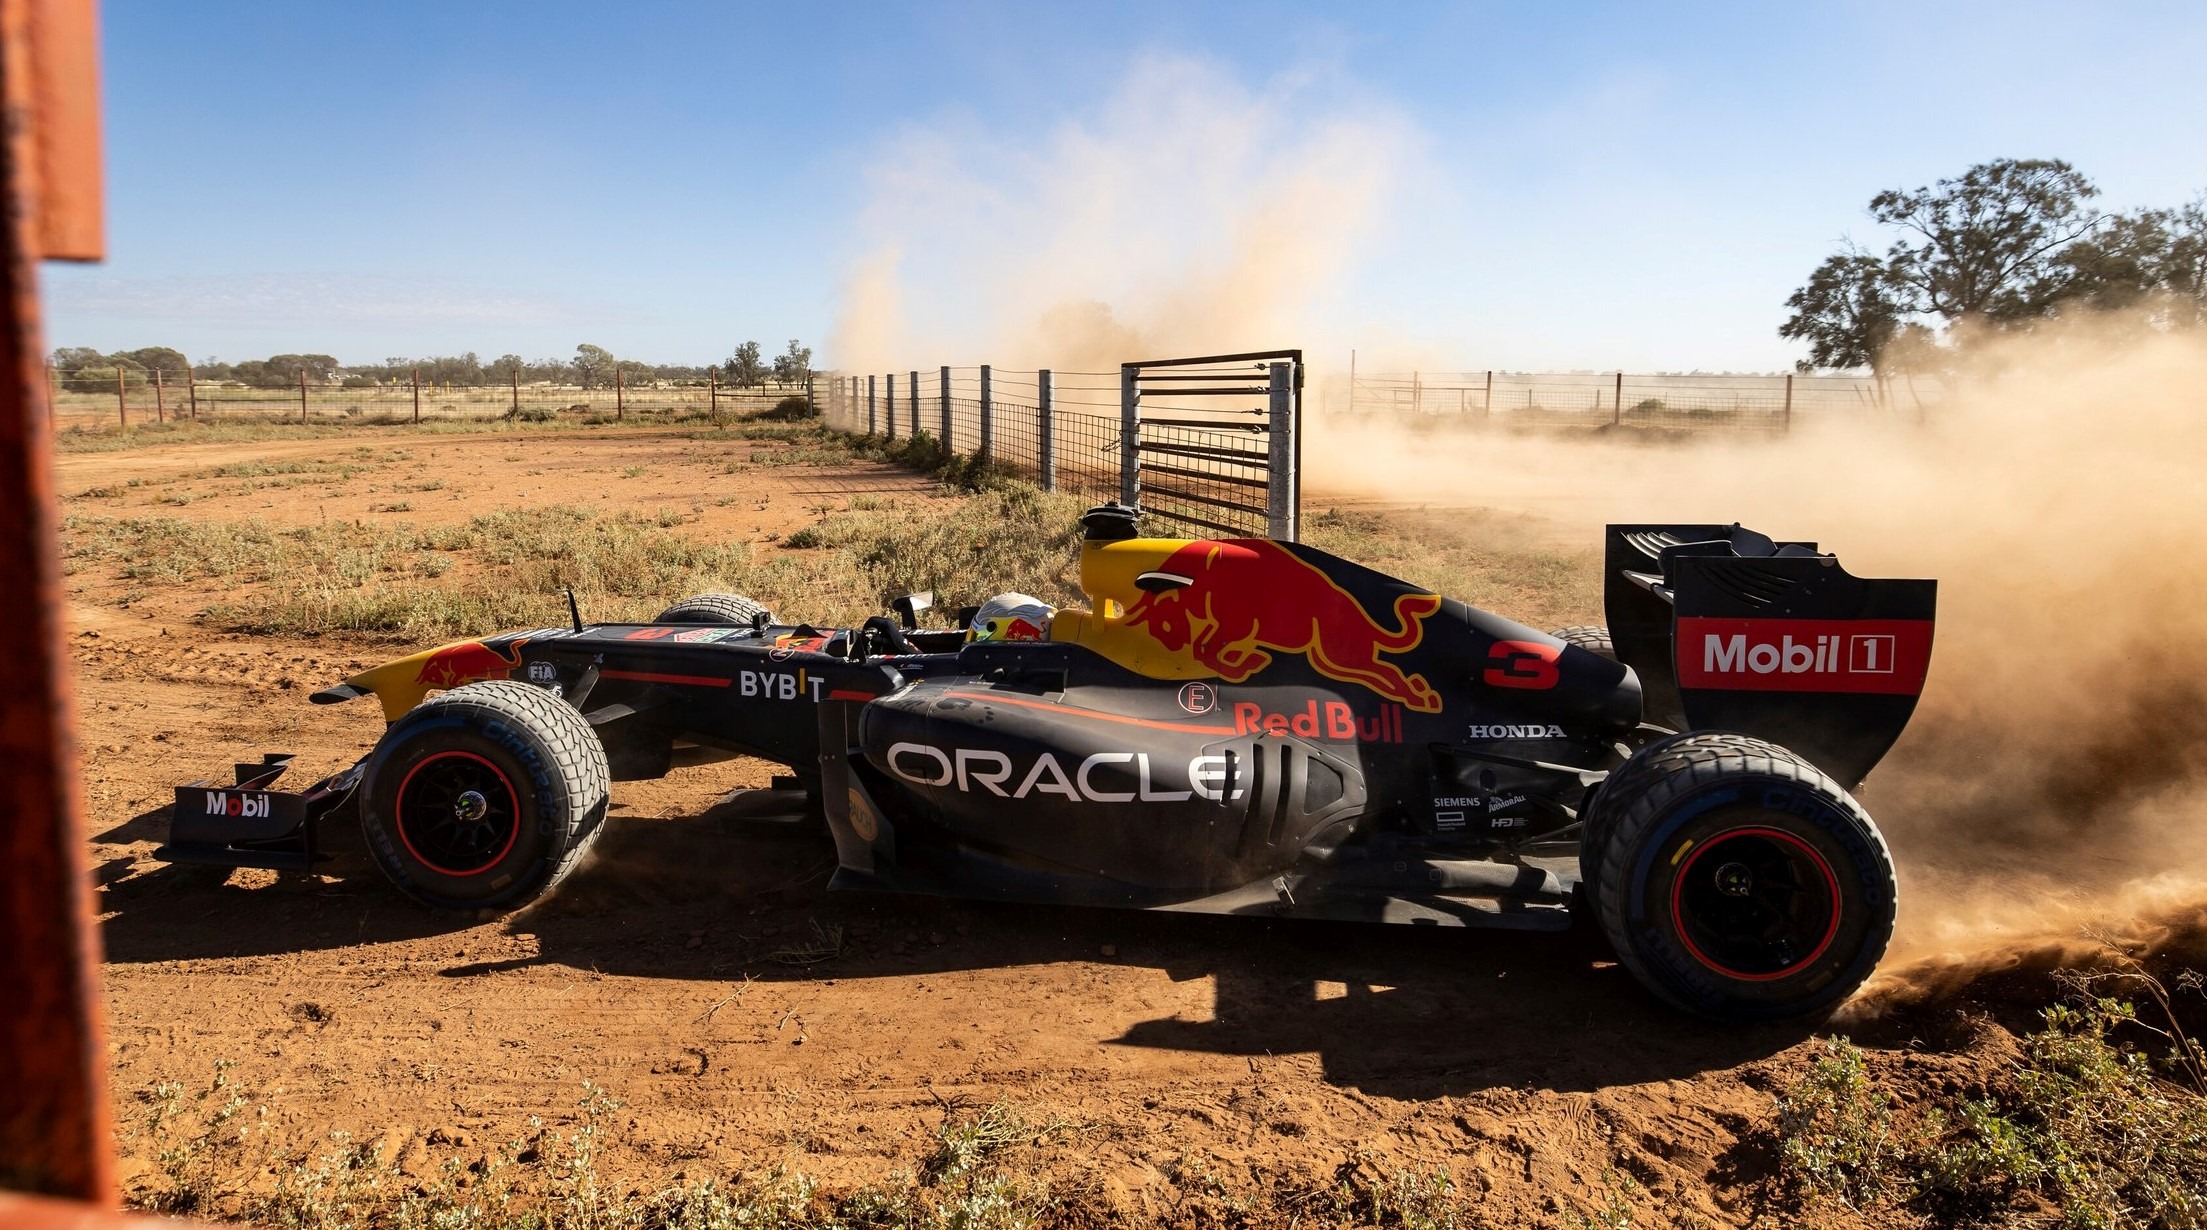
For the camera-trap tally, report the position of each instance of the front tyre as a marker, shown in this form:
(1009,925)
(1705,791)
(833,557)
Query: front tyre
(484,797)
(1740,883)
(715,609)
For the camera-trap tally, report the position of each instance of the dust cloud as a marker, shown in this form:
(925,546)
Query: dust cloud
(2049,800)
(1188,213)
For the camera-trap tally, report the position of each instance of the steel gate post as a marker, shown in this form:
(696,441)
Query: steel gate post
(1046,459)
(943,386)
(1130,426)
(1280,495)
(988,415)
(915,396)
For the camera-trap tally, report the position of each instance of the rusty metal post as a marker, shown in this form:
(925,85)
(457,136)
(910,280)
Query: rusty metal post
(1788,424)
(620,395)
(1046,447)
(712,395)
(122,407)
(191,390)
(513,378)
(1486,403)
(55,1136)
(1617,406)
(988,416)
(302,397)
(417,394)
(160,407)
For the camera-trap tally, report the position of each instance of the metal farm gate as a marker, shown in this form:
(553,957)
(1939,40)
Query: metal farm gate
(1215,442)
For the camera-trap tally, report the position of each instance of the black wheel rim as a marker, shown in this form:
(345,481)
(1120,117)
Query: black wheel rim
(457,814)
(1756,903)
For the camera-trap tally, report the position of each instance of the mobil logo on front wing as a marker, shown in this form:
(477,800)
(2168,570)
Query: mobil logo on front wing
(1886,656)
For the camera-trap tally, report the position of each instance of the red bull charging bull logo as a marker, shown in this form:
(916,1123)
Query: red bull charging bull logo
(1232,603)
(467,662)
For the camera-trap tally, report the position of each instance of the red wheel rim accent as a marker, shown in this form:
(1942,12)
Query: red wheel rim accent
(513,811)
(1814,858)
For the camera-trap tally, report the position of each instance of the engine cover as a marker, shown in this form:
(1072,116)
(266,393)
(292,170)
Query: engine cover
(1155,803)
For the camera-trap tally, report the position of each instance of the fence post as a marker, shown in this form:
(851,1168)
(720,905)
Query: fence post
(302,397)
(810,405)
(122,405)
(1130,403)
(889,386)
(988,415)
(513,377)
(191,390)
(1486,403)
(160,400)
(1046,447)
(872,410)
(915,396)
(1417,393)
(1617,406)
(945,389)
(712,396)
(1788,424)
(620,396)
(1279,494)
(417,395)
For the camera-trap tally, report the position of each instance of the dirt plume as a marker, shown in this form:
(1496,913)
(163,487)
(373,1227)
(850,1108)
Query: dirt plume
(2048,799)
(1186,212)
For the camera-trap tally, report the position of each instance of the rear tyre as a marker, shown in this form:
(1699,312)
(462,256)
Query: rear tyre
(1738,882)
(714,609)
(484,797)
(1593,638)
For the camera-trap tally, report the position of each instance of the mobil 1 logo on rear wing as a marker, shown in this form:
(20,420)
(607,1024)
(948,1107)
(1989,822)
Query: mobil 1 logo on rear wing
(1881,656)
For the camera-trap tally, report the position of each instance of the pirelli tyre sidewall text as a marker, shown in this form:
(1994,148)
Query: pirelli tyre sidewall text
(1740,883)
(484,796)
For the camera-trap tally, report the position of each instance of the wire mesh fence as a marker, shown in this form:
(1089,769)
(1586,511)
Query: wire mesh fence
(1564,400)
(1195,459)
(154,397)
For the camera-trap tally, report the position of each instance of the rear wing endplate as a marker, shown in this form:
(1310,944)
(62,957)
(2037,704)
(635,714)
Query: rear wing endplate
(1729,629)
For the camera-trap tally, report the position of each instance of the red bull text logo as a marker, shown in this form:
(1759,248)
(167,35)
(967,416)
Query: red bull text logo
(1232,603)
(467,662)
(1333,720)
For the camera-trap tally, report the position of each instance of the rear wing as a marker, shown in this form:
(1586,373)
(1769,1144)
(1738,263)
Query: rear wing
(1729,629)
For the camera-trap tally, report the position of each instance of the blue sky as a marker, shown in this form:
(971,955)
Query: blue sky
(1467,185)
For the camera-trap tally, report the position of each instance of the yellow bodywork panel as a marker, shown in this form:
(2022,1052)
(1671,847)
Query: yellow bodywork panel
(404,683)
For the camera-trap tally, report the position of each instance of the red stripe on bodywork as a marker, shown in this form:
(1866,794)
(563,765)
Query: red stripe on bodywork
(695,681)
(1878,656)
(1069,711)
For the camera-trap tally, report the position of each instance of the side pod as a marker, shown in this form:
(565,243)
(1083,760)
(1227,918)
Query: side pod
(1730,630)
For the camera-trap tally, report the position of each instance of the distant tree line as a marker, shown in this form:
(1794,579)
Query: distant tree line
(2006,244)
(85,370)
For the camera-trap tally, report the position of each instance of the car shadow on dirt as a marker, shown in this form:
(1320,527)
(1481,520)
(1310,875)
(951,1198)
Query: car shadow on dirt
(739,891)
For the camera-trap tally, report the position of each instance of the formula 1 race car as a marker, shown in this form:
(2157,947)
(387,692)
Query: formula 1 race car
(1235,726)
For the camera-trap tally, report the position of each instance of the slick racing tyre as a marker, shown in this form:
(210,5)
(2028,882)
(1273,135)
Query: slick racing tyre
(1737,881)
(484,797)
(1593,638)
(714,609)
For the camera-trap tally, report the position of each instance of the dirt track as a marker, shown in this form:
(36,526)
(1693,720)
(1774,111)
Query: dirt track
(672,970)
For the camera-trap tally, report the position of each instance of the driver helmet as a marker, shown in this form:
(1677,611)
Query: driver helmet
(1011,617)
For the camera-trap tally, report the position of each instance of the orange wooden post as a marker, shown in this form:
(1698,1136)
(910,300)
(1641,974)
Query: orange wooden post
(55,1135)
